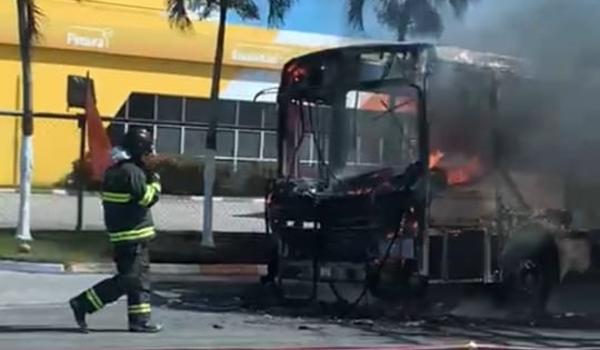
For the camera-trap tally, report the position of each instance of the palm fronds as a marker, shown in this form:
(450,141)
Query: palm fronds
(355,13)
(31,17)
(278,10)
(179,10)
(406,16)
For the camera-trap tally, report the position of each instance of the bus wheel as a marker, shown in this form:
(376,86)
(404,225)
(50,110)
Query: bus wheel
(530,270)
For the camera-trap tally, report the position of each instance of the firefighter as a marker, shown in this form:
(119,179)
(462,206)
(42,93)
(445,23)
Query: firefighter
(129,190)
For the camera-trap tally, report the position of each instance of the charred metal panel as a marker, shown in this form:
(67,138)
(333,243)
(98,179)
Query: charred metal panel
(465,254)
(436,260)
(459,254)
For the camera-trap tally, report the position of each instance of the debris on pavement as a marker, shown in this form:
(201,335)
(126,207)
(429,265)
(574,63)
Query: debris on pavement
(363,322)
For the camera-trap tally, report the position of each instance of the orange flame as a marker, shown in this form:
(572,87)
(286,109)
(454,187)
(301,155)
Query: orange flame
(435,158)
(465,173)
(458,175)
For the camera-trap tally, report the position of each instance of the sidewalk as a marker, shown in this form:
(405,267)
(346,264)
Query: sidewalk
(239,270)
(176,252)
(58,211)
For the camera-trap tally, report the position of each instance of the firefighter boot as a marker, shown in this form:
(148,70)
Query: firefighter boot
(146,327)
(79,314)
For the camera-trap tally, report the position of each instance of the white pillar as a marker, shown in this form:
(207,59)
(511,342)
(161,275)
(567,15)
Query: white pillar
(23,228)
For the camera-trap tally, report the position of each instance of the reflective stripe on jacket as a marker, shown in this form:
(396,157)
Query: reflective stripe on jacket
(127,199)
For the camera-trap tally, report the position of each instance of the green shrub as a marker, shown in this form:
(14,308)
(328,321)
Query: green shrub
(185,176)
(178,175)
(81,172)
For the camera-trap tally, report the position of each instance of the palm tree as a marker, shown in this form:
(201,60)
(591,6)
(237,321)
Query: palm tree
(406,16)
(179,17)
(28,14)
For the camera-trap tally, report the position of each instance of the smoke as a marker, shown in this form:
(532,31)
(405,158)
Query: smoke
(558,36)
(559,39)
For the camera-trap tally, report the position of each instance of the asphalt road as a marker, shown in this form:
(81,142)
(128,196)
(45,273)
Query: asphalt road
(38,318)
(59,212)
(202,313)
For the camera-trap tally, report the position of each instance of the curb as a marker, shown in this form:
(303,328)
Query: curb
(109,268)
(21,266)
(225,199)
(59,192)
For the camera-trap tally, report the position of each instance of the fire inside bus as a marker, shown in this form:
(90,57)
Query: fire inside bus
(368,191)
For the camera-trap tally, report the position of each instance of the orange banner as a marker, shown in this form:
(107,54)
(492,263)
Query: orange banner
(98,141)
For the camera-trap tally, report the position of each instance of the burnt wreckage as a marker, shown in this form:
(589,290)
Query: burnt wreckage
(391,173)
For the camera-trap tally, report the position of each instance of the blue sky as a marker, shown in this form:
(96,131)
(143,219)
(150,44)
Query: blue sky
(317,16)
(329,17)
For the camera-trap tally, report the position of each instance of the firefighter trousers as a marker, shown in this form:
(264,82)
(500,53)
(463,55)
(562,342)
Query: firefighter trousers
(132,279)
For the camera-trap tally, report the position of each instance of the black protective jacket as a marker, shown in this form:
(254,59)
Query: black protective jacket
(127,196)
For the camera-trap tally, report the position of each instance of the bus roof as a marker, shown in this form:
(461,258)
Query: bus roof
(440,53)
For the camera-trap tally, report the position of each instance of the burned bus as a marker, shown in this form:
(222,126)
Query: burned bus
(392,173)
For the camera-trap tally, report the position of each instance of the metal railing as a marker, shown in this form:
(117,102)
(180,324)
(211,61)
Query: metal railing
(260,158)
(176,203)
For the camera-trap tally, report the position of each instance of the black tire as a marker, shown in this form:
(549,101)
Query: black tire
(530,269)
(272,263)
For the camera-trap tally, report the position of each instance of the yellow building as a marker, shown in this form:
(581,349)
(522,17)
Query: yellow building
(142,68)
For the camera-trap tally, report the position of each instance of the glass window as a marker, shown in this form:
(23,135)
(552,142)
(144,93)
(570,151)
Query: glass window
(226,112)
(115,133)
(270,148)
(271,116)
(352,151)
(305,148)
(369,150)
(169,108)
(195,142)
(199,110)
(141,106)
(249,144)
(250,114)
(367,121)
(122,111)
(320,147)
(321,119)
(393,150)
(168,140)
(225,143)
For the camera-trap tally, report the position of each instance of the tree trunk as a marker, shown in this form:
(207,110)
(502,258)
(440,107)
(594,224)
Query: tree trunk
(23,230)
(211,138)
(404,20)
(218,65)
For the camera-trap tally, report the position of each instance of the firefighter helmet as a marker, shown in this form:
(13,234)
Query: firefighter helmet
(138,142)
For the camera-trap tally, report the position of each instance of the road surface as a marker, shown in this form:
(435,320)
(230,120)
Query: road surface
(37,318)
(199,313)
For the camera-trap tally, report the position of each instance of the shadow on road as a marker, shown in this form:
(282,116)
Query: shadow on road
(248,296)
(37,329)
(51,329)
(489,332)
(254,298)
